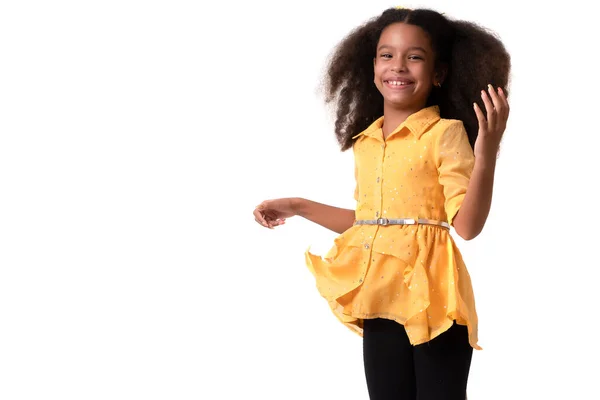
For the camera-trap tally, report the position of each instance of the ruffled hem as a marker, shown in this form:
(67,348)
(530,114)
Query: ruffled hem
(426,288)
(355,323)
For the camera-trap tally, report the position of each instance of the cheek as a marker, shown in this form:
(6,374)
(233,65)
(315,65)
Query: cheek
(379,70)
(377,80)
(426,74)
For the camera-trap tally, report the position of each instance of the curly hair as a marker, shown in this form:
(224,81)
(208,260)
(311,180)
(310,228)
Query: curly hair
(474,57)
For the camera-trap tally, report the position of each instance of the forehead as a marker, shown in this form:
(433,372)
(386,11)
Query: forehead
(404,35)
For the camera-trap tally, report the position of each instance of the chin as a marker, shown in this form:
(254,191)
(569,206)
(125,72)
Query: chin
(399,103)
(407,102)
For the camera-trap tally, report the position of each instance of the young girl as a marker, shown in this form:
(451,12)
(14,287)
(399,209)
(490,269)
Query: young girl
(395,275)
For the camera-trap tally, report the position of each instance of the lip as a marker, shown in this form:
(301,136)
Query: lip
(409,83)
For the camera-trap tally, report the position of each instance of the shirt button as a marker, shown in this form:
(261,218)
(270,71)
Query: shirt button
(367,246)
(377,179)
(377,214)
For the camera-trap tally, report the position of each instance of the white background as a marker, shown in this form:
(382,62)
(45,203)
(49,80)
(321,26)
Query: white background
(136,139)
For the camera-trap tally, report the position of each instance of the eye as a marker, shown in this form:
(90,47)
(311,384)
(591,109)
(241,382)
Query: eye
(415,57)
(386,55)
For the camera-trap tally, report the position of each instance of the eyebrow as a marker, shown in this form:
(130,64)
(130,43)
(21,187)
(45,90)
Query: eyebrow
(383,46)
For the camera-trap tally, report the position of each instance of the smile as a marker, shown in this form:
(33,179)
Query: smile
(398,83)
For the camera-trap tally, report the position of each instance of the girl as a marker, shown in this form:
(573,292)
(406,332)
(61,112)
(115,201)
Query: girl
(395,275)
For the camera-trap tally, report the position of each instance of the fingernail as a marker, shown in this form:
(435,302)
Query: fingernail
(500,89)
(490,86)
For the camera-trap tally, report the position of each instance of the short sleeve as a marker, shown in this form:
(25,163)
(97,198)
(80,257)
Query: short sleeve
(455,162)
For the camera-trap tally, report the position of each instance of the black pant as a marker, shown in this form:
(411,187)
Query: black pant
(397,370)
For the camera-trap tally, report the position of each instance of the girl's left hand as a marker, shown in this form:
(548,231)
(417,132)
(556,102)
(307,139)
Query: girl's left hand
(491,128)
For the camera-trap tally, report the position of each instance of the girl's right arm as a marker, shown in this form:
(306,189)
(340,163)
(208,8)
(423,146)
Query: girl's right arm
(333,218)
(272,213)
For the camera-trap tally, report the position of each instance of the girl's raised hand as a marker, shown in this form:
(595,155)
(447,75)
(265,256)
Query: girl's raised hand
(493,124)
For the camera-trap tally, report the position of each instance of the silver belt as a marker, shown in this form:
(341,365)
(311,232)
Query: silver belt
(402,221)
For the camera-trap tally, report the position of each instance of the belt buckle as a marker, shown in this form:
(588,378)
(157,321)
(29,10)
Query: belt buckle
(382,221)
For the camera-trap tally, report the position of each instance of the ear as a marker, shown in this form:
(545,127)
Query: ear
(440,75)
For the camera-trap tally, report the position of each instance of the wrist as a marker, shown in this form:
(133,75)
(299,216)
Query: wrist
(485,161)
(297,205)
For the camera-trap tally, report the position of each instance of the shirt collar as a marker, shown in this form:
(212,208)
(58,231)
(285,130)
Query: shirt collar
(417,123)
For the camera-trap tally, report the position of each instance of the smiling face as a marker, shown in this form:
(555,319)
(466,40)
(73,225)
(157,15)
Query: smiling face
(404,67)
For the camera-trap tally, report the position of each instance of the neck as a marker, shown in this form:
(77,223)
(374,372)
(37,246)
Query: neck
(393,117)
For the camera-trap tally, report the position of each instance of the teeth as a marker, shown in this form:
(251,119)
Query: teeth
(398,83)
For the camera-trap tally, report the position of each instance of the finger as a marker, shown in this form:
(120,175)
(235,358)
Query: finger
(269,224)
(504,100)
(480,117)
(259,217)
(262,205)
(270,218)
(502,112)
(489,109)
(498,105)
(278,222)
(260,223)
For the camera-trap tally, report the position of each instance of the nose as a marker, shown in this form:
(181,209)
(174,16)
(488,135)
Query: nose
(399,64)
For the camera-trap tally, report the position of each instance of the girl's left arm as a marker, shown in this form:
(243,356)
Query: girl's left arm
(473,213)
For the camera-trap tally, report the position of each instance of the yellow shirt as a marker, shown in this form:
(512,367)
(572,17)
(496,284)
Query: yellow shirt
(412,274)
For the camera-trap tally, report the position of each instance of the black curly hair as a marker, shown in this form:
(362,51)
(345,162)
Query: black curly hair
(474,57)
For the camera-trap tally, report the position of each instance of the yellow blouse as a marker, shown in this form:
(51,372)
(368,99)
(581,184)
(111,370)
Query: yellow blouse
(412,274)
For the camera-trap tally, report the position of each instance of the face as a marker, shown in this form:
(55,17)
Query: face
(404,66)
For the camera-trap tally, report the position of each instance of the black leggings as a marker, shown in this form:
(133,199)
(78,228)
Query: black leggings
(397,370)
